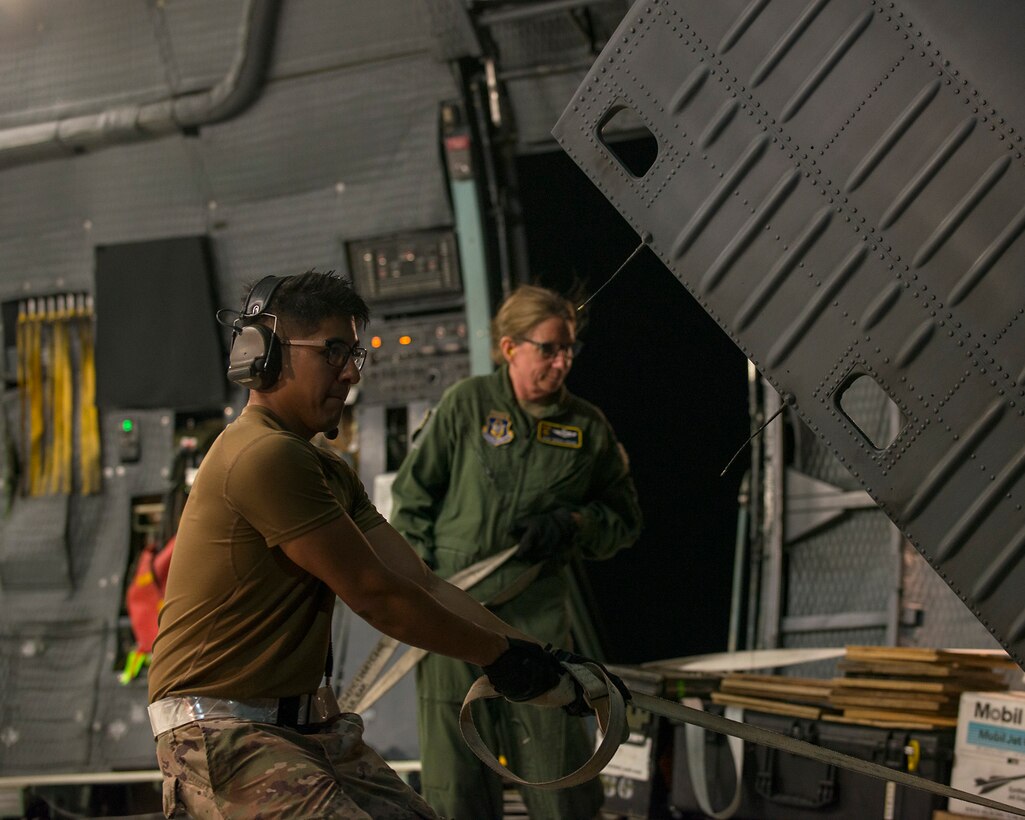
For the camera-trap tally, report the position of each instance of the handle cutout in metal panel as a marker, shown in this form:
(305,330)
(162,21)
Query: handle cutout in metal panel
(870,409)
(621,121)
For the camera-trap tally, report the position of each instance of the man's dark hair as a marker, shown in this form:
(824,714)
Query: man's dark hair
(306,300)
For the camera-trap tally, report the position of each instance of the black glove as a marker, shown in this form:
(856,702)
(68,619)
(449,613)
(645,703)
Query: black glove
(524,671)
(579,707)
(543,536)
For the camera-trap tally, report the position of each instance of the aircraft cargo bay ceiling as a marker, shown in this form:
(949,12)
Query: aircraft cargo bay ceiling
(847,201)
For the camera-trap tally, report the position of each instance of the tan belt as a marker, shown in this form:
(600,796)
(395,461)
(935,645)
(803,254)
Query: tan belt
(294,712)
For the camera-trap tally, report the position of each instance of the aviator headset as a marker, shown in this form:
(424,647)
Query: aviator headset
(255,357)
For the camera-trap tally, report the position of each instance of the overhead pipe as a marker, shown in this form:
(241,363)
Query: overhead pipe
(239,88)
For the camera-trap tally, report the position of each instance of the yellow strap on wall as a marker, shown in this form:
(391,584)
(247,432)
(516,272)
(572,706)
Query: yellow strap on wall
(37,397)
(89,426)
(67,462)
(53,392)
(52,380)
(21,347)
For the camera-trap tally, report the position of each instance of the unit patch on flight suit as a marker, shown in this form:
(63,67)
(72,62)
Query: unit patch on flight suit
(560,435)
(497,429)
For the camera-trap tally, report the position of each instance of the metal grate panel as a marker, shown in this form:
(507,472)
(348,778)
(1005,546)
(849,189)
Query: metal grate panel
(845,568)
(844,202)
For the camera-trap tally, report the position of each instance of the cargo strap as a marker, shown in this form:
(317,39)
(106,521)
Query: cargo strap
(601,695)
(368,685)
(695,740)
(609,709)
(56,368)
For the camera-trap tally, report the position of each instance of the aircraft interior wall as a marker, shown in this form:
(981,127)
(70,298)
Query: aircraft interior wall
(340,162)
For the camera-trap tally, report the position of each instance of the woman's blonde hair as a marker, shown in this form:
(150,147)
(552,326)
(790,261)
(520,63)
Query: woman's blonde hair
(525,307)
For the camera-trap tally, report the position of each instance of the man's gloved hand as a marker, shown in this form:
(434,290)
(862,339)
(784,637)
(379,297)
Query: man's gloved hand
(543,536)
(579,706)
(524,671)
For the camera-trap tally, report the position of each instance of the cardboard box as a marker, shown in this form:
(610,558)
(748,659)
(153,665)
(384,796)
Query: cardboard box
(991,723)
(989,751)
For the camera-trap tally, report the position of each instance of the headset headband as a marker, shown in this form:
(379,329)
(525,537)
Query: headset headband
(260,296)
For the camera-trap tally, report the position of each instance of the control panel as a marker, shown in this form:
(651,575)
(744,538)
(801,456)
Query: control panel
(414,358)
(418,270)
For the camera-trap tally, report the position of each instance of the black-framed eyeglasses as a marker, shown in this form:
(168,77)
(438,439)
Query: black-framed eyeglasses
(549,350)
(338,351)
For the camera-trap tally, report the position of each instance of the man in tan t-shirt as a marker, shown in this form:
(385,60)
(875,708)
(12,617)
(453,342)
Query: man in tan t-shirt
(275,528)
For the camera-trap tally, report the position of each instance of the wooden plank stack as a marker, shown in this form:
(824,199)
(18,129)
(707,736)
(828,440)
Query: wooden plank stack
(892,687)
(912,686)
(775,694)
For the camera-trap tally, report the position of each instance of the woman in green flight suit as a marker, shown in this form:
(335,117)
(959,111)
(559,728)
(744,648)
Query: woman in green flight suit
(513,457)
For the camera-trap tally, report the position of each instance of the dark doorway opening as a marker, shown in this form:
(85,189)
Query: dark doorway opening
(674,387)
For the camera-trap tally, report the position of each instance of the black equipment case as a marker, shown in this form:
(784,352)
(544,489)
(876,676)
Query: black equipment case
(781,785)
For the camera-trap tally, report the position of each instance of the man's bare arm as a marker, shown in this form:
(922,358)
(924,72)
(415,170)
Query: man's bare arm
(380,590)
(395,552)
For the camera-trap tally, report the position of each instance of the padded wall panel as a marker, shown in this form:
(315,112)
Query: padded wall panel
(48,671)
(122,737)
(45,263)
(147,190)
(281,236)
(314,33)
(197,48)
(43,198)
(144,190)
(356,126)
(60,58)
(844,202)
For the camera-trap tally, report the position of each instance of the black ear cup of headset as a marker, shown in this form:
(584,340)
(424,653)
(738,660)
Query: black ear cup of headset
(255,358)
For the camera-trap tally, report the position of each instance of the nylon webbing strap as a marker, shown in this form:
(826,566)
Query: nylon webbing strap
(56,369)
(368,685)
(695,745)
(89,421)
(612,706)
(774,740)
(600,694)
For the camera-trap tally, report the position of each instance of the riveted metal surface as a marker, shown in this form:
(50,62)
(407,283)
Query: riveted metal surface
(844,202)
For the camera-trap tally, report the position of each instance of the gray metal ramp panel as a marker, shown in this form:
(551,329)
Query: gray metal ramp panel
(844,202)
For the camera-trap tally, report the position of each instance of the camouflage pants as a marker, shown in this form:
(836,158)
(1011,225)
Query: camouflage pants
(225,768)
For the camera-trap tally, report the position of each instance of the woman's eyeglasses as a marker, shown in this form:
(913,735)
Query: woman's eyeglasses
(549,350)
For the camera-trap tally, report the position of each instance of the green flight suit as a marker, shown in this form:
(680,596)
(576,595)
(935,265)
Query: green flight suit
(481,463)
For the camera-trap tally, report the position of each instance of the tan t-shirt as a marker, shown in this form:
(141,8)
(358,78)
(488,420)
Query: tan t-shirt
(240,620)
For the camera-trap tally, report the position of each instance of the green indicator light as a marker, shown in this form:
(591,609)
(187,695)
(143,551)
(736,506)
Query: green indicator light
(127,425)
